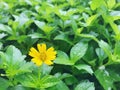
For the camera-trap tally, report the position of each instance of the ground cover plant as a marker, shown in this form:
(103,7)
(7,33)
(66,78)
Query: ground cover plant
(59,45)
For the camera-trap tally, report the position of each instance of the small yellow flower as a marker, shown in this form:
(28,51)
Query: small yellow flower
(42,55)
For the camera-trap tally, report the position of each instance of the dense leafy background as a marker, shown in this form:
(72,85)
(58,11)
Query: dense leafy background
(85,33)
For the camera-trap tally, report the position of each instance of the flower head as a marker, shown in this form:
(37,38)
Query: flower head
(42,55)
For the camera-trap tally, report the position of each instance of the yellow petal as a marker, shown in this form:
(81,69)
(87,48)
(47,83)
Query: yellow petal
(51,53)
(49,57)
(48,62)
(50,49)
(33,52)
(41,48)
(37,61)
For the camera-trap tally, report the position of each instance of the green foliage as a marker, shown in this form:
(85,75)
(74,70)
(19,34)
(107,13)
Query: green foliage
(106,81)
(4,84)
(78,51)
(85,34)
(85,85)
(63,59)
(84,67)
(35,82)
(106,48)
(13,62)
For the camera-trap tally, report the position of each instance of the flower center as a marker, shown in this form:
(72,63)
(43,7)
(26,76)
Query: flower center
(43,56)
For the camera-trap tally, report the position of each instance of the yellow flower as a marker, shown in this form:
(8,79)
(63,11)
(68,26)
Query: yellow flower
(42,55)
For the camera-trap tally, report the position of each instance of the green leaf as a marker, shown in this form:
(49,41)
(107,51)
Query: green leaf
(1,45)
(115,15)
(88,36)
(78,51)
(116,54)
(19,39)
(89,57)
(28,80)
(85,85)
(2,35)
(84,67)
(34,81)
(117,48)
(104,79)
(114,72)
(40,24)
(95,4)
(65,15)
(105,46)
(47,29)
(48,81)
(74,25)
(71,2)
(36,35)
(65,75)
(111,3)
(101,54)
(70,80)
(5,28)
(63,37)
(115,28)
(45,69)
(62,58)
(4,84)
(60,86)
(43,26)
(91,20)
(14,62)
(21,19)
(19,87)
(14,54)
